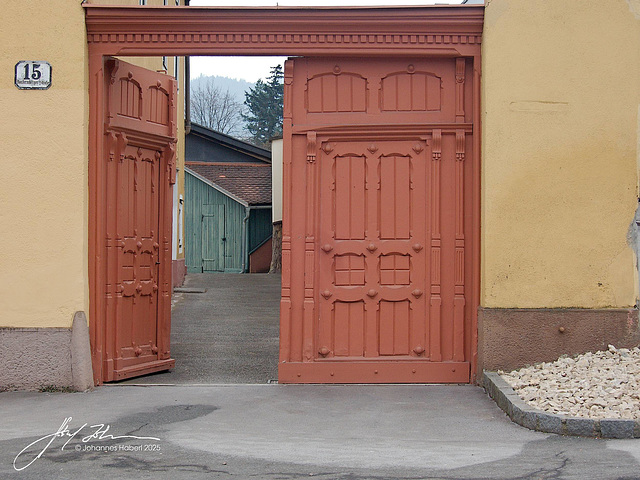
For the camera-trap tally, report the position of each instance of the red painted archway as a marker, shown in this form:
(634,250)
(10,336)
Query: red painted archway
(431,308)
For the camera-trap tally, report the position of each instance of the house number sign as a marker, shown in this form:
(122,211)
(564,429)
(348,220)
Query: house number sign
(33,75)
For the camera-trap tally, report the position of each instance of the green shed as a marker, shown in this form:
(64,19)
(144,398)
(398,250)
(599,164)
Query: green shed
(227,204)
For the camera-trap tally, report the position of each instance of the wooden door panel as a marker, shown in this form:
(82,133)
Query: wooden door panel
(394,194)
(137,223)
(361,91)
(213,238)
(394,318)
(369,222)
(349,203)
(348,321)
(138,174)
(375,258)
(140,99)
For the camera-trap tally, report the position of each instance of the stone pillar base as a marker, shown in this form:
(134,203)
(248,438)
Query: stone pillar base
(178,272)
(46,358)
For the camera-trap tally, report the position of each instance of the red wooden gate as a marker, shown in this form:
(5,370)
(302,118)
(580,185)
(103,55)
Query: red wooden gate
(134,217)
(375,259)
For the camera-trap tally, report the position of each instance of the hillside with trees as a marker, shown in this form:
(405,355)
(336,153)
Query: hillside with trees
(251,112)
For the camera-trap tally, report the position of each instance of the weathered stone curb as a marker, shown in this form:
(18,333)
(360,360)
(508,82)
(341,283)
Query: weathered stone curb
(532,418)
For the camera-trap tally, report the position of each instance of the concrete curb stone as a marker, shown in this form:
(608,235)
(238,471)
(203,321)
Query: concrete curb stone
(529,417)
(617,428)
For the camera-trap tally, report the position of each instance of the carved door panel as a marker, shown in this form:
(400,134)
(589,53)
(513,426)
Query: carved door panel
(379,220)
(372,263)
(138,174)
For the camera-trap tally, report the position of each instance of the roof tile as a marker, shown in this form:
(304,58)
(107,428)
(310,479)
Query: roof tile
(250,182)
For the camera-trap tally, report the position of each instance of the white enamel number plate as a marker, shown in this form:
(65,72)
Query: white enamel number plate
(33,75)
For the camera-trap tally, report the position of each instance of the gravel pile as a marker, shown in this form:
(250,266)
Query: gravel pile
(594,385)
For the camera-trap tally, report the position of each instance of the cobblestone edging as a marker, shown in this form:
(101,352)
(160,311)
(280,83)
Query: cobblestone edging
(532,418)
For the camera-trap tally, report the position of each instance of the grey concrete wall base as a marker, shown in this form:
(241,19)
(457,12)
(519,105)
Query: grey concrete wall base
(46,358)
(527,416)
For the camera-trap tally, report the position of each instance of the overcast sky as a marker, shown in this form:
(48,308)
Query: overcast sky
(253,68)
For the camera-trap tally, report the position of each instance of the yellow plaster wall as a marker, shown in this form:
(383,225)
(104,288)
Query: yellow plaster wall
(44,197)
(560,97)
(43,260)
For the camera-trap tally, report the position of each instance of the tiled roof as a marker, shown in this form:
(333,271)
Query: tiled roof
(250,182)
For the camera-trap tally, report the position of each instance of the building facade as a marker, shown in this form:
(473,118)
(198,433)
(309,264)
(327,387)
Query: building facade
(228,204)
(45,293)
(560,97)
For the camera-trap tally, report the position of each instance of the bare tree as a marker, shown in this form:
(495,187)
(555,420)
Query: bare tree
(214,108)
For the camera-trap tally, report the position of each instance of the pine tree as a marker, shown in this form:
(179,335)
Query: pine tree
(264,104)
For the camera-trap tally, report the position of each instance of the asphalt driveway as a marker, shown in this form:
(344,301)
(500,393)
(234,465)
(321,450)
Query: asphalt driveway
(333,432)
(201,424)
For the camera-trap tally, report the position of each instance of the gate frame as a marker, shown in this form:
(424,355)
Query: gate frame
(441,31)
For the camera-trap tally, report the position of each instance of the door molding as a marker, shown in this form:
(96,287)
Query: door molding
(431,30)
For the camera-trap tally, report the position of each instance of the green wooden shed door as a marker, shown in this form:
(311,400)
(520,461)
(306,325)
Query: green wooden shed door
(213,238)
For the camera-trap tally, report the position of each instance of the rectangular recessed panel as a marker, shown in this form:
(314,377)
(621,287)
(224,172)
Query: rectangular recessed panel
(349,270)
(348,329)
(395,197)
(358,89)
(402,277)
(158,106)
(342,278)
(387,277)
(357,277)
(344,94)
(389,94)
(336,92)
(434,90)
(394,269)
(419,92)
(342,262)
(314,95)
(387,262)
(402,262)
(405,95)
(129,99)
(349,198)
(329,93)
(416,92)
(394,327)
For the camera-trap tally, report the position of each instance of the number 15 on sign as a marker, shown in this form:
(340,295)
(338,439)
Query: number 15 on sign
(33,75)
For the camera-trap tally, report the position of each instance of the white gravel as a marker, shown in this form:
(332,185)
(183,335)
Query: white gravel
(594,385)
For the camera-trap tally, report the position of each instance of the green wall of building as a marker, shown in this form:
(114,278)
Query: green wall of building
(202,200)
